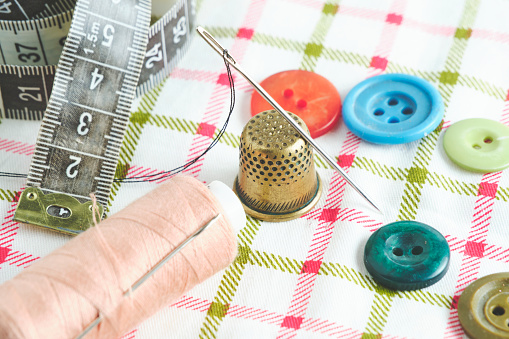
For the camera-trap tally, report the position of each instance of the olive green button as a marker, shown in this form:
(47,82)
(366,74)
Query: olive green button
(483,308)
(406,255)
(478,145)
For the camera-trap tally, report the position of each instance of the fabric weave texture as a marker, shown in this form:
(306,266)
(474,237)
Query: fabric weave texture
(305,278)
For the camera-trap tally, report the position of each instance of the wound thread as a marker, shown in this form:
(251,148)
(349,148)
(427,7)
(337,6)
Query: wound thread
(58,296)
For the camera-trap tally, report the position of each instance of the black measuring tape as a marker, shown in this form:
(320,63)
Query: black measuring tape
(32,35)
(102,65)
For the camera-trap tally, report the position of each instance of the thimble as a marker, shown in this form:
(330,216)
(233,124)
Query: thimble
(277,180)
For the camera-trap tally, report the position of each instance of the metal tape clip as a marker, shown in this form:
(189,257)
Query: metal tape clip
(101,68)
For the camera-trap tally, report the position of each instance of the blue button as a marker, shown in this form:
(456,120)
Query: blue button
(406,255)
(393,109)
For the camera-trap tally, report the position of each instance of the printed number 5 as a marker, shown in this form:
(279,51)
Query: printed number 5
(85,119)
(71,171)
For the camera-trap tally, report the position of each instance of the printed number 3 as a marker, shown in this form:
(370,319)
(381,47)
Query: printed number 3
(71,171)
(85,119)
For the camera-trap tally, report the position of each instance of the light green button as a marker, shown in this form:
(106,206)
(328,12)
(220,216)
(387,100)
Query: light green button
(478,145)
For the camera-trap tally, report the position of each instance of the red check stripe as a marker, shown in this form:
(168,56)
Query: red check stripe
(16,147)
(320,326)
(221,93)
(471,261)
(324,231)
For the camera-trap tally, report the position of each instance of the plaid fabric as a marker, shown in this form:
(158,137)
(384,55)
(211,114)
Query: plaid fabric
(305,278)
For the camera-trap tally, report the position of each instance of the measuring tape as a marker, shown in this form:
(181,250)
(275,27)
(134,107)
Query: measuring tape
(101,66)
(30,49)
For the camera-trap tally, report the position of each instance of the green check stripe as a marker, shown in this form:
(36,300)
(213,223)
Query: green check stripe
(482,86)
(293,266)
(418,174)
(281,43)
(7,195)
(378,316)
(432,178)
(370,165)
(383,171)
(132,135)
(346,57)
(314,48)
(448,80)
(453,186)
(230,280)
(222,32)
(233,274)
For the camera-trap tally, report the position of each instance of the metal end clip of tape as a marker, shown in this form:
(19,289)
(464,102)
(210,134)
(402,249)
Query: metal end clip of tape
(106,55)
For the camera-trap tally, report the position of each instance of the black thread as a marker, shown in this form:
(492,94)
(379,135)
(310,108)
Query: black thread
(166,174)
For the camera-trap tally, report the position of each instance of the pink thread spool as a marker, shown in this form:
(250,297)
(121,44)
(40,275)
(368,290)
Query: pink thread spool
(60,295)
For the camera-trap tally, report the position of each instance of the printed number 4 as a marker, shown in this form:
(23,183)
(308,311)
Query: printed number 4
(71,171)
(97,78)
(4,8)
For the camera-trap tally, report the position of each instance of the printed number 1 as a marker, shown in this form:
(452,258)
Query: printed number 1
(71,171)
(97,78)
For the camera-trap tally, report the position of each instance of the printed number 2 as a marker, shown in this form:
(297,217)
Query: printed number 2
(154,55)
(85,119)
(71,171)
(97,78)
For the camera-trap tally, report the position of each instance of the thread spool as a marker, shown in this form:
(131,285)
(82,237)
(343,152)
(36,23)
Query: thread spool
(63,293)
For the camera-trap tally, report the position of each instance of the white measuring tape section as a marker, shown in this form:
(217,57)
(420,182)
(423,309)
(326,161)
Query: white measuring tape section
(87,98)
(32,35)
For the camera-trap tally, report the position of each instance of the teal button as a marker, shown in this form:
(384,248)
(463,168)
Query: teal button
(406,255)
(478,145)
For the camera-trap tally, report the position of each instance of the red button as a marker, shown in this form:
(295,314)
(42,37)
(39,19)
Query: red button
(306,94)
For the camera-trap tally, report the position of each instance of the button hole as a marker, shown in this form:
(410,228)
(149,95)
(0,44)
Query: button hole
(407,110)
(476,147)
(393,120)
(379,112)
(498,311)
(417,250)
(393,102)
(488,140)
(397,251)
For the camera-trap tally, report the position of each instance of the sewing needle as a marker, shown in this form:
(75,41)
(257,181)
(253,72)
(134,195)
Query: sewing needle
(153,270)
(220,49)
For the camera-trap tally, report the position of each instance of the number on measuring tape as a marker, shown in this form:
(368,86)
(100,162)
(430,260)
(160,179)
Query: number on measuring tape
(4,7)
(71,171)
(29,56)
(28,96)
(99,71)
(85,120)
(155,54)
(179,30)
(108,32)
(97,78)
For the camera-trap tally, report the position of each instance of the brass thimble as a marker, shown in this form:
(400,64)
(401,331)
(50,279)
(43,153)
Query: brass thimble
(277,180)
